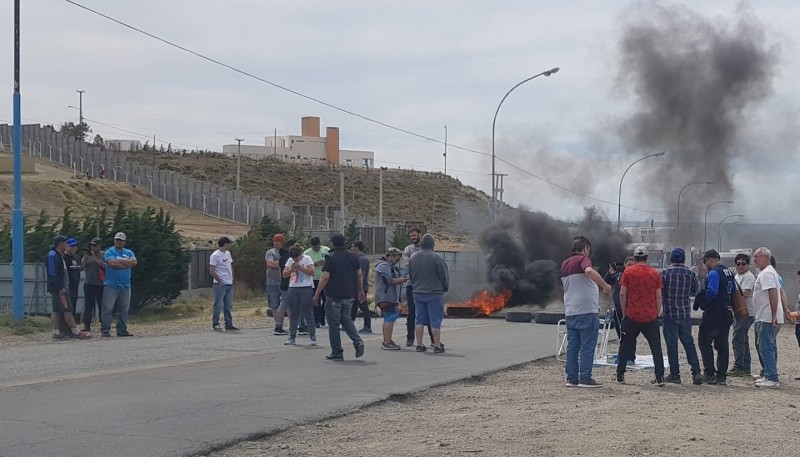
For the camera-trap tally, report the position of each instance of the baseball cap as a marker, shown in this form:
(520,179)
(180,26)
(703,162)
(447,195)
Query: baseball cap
(711,254)
(677,255)
(223,241)
(393,251)
(640,251)
(120,236)
(72,242)
(278,237)
(96,241)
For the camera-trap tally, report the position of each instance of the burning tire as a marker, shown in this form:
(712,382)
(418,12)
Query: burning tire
(519,316)
(544,317)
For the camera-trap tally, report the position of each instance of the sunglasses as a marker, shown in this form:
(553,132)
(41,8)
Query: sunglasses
(742,264)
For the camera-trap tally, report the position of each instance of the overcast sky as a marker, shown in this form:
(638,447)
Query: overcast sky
(415,65)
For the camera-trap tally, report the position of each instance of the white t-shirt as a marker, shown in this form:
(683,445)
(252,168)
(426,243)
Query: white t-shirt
(223,262)
(767,279)
(298,278)
(747,281)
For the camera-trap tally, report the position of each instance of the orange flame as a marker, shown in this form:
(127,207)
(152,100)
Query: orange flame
(486,302)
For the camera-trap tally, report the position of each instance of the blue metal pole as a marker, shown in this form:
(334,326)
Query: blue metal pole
(17,221)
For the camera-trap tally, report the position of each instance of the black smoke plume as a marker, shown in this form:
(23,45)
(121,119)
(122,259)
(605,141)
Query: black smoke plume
(525,255)
(694,79)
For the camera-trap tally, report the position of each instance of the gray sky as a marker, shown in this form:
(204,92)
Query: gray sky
(415,65)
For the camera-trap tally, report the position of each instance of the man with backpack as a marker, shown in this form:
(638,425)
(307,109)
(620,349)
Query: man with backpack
(715,301)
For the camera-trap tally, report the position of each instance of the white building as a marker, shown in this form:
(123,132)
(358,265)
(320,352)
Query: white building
(309,147)
(123,145)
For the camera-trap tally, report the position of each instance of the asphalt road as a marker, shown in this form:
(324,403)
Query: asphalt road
(188,394)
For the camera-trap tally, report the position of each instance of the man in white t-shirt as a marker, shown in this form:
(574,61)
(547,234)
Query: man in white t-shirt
(768,314)
(741,327)
(221,269)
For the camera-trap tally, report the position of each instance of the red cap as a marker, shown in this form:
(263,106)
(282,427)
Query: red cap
(278,237)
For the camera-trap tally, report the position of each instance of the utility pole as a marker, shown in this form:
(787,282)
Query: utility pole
(380,197)
(275,144)
(238,160)
(341,200)
(17,215)
(445,150)
(154,153)
(80,112)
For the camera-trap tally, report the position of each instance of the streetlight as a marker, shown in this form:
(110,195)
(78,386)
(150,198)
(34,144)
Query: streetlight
(619,197)
(705,221)
(494,122)
(445,150)
(719,229)
(238,160)
(724,229)
(678,224)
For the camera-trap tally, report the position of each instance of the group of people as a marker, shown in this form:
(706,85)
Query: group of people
(322,285)
(107,286)
(642,296)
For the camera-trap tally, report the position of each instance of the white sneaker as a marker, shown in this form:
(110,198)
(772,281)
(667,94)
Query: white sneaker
(313,341)
(768,383)
(289,342)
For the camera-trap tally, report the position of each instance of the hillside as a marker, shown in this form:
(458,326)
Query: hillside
(442,202)
(52,189)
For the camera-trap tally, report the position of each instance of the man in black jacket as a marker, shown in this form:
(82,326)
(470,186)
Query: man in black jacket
(57,285)
(342,279)
(717,319)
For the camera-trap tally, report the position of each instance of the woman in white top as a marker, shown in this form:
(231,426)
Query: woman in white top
(300,271)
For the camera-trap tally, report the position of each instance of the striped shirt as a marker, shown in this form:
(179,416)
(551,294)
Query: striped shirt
(680,283)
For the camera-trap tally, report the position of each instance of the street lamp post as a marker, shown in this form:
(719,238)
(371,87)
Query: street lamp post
(494,123)
(445,150)
(719,229)
(678,223)
(238,160)
(724,229)
(705,221)
(619,197)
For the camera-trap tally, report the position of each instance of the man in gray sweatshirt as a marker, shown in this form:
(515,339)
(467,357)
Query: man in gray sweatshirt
(429,279)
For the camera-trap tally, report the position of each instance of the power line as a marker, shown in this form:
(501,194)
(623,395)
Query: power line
(332,106)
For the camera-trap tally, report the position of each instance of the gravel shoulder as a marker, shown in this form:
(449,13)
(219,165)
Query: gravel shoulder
(526,410)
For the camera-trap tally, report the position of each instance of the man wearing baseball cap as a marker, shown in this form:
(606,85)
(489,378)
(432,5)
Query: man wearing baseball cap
(221,269)
(717,318)
(73,262)
(117,286)
(275,264)
(680,283)
(640,299)
(57,285)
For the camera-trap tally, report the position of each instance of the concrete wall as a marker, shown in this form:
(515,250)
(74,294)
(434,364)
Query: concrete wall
(87,160)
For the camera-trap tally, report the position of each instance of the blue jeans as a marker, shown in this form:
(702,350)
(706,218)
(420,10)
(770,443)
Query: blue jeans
(741,344)
(337,311)
(274,297)
(223,296)
(680,329)
(582,332)
(118,298)
(767,348)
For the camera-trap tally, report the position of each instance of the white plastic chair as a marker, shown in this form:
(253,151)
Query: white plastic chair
(603,333)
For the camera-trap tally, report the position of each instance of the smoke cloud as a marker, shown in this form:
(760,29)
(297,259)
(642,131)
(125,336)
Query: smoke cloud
(525,254)
(694,79)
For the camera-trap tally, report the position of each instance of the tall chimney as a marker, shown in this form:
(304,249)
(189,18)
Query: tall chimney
(332,145)
(310,126)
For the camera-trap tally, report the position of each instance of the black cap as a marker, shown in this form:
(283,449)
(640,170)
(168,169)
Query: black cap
(96,241)
(711,254)
(224,240)
(58,239)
